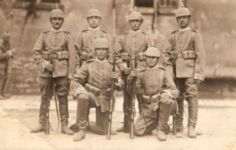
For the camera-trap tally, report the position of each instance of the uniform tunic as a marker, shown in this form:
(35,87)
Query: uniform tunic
(150,82)
(186,40)
(53,42)
(98,74)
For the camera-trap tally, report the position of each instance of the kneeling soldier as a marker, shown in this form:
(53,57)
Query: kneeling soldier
(92,87)
(157,91)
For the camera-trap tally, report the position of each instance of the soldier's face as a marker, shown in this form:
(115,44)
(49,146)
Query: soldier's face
(94,21)
(101,53)
(183,21)
(151,61)
(56,22)
(135,24)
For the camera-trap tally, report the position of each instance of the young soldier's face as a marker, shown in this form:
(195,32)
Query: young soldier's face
(183,21)
(57,22)
(135,24)
(151,61)
(94,21)
(101,53)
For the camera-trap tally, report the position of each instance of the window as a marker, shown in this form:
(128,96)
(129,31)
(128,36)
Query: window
(168,4)
(143,3)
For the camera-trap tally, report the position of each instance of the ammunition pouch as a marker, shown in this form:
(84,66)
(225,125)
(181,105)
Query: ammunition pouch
(187,54)
(61,55)
(97,91)
(127,57)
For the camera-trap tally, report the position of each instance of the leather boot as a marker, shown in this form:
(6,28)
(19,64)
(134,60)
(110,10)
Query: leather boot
(74,127)
(191,132)
(125,128)
(64,114)
(66,130)
(39,128)
(42,116)
(161,135)
(164,113)
(179,118)
(79,135)
(192,111)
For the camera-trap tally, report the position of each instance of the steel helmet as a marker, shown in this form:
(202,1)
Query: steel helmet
(153,52)
(94,13)
(135,15)
(182,11)
(101,43)
(57,13)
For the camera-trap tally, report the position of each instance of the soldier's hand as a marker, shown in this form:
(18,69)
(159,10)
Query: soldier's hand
(114,76)
(48,66)
(126,70)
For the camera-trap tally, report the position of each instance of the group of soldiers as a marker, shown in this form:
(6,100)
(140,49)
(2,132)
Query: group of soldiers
(92,67)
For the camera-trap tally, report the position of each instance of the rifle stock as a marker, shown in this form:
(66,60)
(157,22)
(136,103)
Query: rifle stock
(134,66)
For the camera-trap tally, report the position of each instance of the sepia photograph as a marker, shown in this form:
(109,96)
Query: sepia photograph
(117,74)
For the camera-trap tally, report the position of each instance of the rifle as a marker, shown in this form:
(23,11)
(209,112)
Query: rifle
(112,99)
(113,70)
(133,67)
(47,123)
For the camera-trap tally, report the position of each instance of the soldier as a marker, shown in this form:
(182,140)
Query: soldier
(92,87)
(134,43)
(54,53)
(185,53)
(157,90)
(85,46)
(6,53)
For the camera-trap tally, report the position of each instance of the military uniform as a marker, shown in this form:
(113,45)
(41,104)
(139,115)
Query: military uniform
(186,54)
(93,89)
(4,58)
(85,43)
(155,110)
(55,48)
(133,43)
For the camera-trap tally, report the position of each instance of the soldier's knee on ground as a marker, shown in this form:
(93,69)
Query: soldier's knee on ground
(139,131)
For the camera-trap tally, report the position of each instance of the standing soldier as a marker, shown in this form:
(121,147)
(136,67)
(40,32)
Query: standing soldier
(134,43)
(186,54)
(54,53)
(157,89)
(92,87)
(85,43)
(6,53)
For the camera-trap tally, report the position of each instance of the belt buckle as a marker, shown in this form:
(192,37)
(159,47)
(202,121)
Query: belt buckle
(179,55)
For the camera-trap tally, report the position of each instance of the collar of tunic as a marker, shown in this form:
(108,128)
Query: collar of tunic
(185,29)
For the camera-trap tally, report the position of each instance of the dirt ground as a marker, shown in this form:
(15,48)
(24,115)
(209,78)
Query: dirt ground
(19,114)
